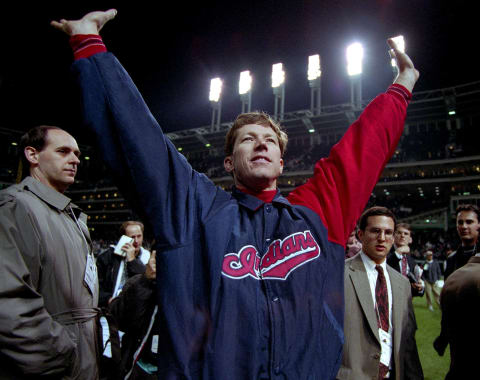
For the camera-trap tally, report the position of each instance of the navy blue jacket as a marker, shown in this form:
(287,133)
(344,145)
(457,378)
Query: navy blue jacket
(246,289)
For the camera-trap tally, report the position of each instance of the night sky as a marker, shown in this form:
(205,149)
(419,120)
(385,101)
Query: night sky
(172,51)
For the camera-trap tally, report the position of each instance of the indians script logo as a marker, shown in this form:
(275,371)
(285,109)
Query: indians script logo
(282,258)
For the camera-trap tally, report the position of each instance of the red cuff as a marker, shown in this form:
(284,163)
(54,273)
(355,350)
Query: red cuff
(86,45)
(400,90)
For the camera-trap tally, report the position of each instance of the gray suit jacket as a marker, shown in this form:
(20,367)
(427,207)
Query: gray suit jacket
(361,351)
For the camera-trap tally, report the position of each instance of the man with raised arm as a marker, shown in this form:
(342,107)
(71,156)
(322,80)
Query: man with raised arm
(250,284)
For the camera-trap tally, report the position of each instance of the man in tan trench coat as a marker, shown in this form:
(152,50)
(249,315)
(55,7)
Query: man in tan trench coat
(48,278)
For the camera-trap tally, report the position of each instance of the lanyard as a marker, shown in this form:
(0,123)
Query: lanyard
(77,222)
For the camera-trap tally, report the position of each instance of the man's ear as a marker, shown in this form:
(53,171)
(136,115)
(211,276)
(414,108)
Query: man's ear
(228,164)
(360,235)
(31,154)
(281,165)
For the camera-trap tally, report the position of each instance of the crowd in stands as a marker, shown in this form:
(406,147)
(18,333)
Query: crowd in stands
(419,145)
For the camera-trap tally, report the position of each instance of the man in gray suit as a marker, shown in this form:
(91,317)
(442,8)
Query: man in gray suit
(379,319)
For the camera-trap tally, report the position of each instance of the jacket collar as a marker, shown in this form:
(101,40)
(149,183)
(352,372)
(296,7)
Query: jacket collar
(474,260)
(253,203)
(45,193)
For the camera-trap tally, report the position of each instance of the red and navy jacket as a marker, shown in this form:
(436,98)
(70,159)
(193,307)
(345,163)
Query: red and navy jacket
(246,289)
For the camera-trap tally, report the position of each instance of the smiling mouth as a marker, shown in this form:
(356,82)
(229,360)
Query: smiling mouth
(261,159)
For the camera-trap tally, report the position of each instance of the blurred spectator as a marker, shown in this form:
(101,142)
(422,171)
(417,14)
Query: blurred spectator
(136,314)
(431,275)
(400,259)
(353,245)
(468,228)
(114,269)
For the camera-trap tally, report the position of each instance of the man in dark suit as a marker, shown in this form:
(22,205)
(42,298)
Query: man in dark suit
(431,274)
(399,258)
(460,301)
(379,319)
(468,226)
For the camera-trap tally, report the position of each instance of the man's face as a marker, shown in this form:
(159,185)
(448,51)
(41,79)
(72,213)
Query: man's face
(134,231)
(467,227)
(402,237)
(256,161)
(377,239)
(56,164)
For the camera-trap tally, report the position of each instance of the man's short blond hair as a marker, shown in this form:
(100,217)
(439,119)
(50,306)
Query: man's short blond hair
(123,227)
(259,118)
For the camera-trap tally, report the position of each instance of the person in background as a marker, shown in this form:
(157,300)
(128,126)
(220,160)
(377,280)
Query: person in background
(353,245)
(468,227)
(115,269)
(431,275)
(460,303)
(48,277)
(380,323)
(136,314)
(400,259)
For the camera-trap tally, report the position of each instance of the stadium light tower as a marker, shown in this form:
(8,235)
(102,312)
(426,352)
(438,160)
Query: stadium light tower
(354,68)
(216,102)
(245,90)
(313,75)
(278,85)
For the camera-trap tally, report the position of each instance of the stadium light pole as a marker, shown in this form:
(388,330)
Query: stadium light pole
(245,90)
(216,102)
(278,85)
(354,68)
(313,75)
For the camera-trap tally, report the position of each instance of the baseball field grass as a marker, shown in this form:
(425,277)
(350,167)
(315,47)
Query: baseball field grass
(435,367)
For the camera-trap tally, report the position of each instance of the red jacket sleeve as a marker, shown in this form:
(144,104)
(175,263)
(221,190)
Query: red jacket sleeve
(342,183)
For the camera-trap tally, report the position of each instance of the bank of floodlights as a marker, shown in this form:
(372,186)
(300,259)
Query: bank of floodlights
(354,55)
(354,69)
(313,75)
(245,90)
(278,85)
(216,102)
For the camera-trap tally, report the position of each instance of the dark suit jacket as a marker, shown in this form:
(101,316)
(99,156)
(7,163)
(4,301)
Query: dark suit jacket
(108,264)
(394,262)
(433,273)
(457,260)
(460,301)
(361,351)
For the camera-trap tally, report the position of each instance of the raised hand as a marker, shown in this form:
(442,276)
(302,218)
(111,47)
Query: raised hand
(151,270)
(129,250)
(407,73)
(91,23)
